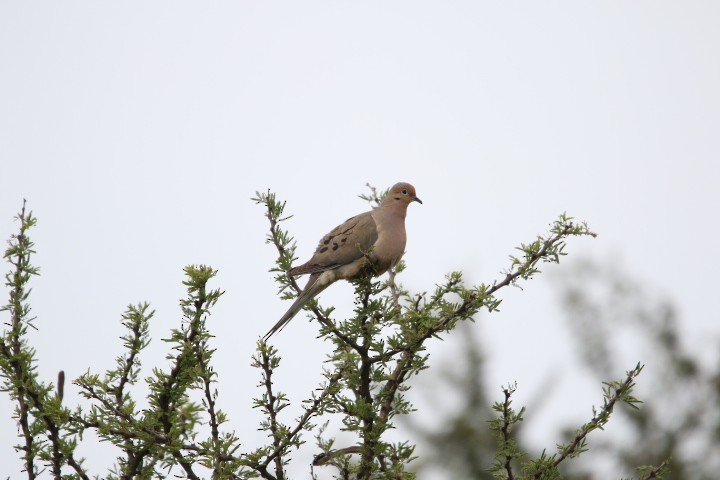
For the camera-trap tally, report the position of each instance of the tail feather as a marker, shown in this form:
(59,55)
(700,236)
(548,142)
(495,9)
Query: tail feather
(316,284)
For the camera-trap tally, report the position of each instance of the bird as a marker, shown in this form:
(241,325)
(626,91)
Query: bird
(369,243)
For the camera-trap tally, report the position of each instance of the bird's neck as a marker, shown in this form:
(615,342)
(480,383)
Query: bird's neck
(394,209)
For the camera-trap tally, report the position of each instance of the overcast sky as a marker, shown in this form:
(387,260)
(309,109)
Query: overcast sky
(139,131)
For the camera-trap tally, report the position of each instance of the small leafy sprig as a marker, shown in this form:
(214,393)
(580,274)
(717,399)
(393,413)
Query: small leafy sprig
(39,412)
(503,425)
(546,467)
(165,434)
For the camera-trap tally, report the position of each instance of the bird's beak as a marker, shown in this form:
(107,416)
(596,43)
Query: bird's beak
(416,199)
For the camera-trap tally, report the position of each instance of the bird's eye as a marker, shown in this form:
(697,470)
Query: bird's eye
(404,192)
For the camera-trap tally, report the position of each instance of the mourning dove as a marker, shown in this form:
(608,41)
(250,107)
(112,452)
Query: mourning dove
(371,242)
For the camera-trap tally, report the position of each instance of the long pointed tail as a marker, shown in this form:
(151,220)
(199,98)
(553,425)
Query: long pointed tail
(316,284)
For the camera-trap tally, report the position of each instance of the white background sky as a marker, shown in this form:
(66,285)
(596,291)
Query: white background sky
(138,131)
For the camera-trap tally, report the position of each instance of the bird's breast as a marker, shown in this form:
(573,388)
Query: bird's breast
(390,244)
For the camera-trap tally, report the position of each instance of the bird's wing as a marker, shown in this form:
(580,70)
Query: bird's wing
(345,244)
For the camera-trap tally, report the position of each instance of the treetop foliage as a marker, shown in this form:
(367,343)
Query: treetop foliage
(183,431)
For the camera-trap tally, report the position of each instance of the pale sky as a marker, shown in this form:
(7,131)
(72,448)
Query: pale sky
(139,131)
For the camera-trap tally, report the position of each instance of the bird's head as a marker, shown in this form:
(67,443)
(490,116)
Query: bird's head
(402,192)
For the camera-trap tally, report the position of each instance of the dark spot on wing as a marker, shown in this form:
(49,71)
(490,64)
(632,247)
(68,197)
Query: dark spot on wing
(323,250)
